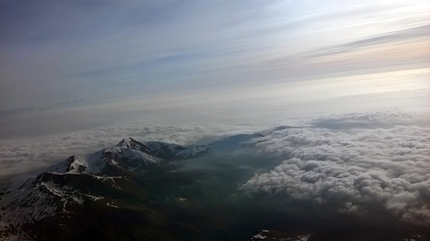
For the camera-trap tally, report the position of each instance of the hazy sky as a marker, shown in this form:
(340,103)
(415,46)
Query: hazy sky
(59,51)
(95,62)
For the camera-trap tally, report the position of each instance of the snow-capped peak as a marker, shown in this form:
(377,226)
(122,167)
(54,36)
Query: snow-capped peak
(130,143)
(72,163)
(131,156)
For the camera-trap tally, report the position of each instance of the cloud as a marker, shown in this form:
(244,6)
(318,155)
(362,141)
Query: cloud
(371,120)
(17,111)
(393,37)
(59,51)
(391,48)
(355,167)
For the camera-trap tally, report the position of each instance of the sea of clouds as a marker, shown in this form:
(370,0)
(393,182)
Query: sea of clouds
(356,163)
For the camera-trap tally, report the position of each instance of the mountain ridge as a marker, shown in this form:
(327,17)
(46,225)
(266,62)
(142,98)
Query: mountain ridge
(100,178)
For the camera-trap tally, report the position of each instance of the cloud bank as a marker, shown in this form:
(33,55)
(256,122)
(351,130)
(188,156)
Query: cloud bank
(357,163)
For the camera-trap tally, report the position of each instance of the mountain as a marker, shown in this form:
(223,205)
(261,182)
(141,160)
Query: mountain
(116,193)
(278,236)
(160,191)
(127,157)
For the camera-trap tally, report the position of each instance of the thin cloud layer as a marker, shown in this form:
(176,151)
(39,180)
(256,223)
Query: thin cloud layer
(395,36)
(358,164)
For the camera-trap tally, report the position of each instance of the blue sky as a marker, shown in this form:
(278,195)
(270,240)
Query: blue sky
(63,54)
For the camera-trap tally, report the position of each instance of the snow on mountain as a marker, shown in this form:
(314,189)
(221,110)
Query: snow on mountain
(130,143)
(175,152)
(26,200)
(278,236)
(79,164)
(128,155)
(31,202)
(47,195)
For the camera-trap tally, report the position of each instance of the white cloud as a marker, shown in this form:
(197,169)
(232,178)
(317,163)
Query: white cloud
(354,162)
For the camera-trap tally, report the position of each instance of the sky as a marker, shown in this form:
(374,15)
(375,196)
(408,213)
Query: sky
(72,69)
(55,52)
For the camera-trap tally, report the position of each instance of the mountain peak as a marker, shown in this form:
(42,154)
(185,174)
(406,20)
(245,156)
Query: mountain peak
(73,163)
(129,142)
